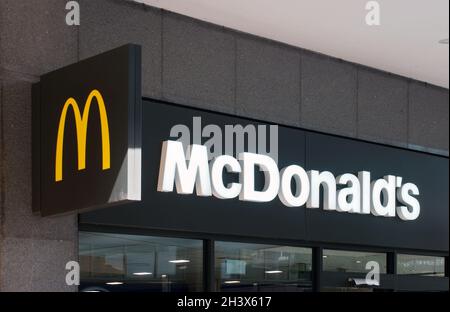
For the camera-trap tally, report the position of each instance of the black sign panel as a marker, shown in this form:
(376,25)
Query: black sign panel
(311,150)
(86,134)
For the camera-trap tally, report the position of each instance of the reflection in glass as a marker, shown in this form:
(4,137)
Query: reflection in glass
(420,265)
(351,261)
(257,267)
(117,262)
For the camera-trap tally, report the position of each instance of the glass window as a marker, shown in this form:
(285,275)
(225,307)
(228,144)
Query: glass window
(351,261)
(117,262)
(420,265)
(257,267)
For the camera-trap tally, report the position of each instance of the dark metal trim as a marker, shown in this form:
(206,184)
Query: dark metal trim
(317,268)
(391,263)
(209,265)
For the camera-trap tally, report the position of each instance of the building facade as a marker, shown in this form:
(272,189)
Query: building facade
(207,67)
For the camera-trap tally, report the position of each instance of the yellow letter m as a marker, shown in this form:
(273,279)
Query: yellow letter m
(81,122)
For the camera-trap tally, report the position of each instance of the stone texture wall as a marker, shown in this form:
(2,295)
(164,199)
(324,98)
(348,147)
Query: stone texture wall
(188,62)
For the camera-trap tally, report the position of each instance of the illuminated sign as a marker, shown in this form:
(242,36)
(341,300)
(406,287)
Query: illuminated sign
(81,122)
(87,134)
(385,197)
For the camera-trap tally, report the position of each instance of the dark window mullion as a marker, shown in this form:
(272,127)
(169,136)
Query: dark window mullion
(317,268)
(446,266)
(391,263)
(208,266)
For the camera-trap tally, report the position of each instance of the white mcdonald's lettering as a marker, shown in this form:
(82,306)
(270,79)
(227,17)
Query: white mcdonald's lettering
(386,197)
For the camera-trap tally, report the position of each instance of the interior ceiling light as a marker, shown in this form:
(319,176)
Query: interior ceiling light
(179,261)
(274,272)
(142,273)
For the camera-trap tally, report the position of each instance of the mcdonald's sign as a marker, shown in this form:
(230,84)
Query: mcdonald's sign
(81,122)
(87,134)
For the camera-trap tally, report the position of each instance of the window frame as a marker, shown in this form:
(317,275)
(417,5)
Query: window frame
(319,277)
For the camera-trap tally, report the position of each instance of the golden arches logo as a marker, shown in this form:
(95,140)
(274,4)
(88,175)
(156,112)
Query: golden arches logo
(81,122)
